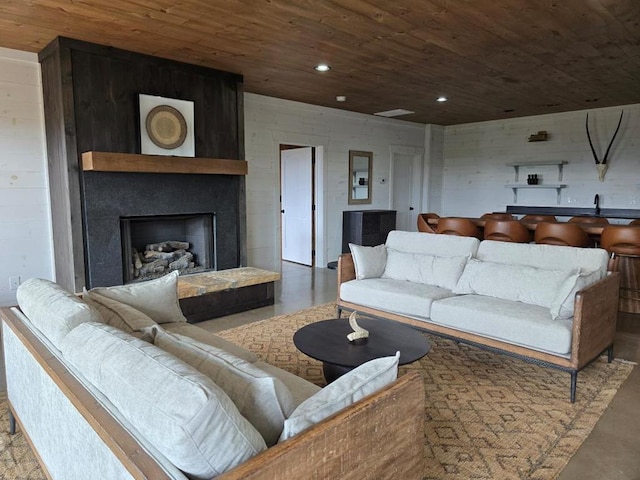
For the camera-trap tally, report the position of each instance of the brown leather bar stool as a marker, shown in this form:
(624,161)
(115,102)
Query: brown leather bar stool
(507,231)
(538,218)
(423,225)
(590,220)
(497,216)
(458,226)
(623,244)
(635,222)
(567,234)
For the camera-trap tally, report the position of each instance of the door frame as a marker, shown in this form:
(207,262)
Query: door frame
(287,146)
(417,155)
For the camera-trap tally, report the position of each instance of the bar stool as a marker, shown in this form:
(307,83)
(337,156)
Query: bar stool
(590,220)
(623,244)
(458,226)
(567,234)
(497,216)
(539,218)
(506,231)
(635,222)
(423,225)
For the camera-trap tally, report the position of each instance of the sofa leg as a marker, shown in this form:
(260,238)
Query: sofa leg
(610,354)
(574,384)
(338,312)
(12,423)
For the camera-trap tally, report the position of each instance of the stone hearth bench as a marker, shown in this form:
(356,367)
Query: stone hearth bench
(224,292)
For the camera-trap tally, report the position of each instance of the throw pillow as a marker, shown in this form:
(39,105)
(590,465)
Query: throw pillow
(156,298)
(261,398)
(564,304)
(423,268)
(180,411)
(52,309)
(349,388)
(369,262)
(117,314)
(520,283)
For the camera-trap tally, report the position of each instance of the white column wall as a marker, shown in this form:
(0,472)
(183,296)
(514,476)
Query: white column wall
(25,213)
(476,154)
(269,122)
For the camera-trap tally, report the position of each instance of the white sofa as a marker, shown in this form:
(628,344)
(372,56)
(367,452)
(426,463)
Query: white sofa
(118,385)
(551,304)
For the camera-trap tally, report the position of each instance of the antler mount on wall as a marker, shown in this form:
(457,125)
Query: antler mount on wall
(602,165)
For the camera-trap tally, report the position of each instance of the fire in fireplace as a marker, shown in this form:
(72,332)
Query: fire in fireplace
(153,246)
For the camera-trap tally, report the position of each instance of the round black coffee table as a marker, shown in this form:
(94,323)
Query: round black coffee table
(327,342)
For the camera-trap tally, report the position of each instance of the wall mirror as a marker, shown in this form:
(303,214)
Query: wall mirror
(360,177)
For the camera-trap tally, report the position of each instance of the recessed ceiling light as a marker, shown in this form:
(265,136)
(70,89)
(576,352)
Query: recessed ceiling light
(322,67)
(394,113)
(441,99)
(341,98)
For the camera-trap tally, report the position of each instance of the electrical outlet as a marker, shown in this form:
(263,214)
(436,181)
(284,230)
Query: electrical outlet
(14,282)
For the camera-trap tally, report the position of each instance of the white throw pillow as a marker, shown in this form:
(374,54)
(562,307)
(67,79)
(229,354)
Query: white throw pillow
(118,314)
(564,304)
(520,283)
(156,298)
(181,412)
(423,268)
(52,309)
(261,398)
(369,262)
(339,394)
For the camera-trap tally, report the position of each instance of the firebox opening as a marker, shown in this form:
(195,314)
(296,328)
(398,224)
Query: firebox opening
(153,246)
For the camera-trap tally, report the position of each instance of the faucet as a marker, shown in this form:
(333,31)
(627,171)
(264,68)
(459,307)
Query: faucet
(596,202)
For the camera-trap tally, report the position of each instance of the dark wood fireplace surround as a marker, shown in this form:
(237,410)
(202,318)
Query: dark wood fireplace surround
(91,105)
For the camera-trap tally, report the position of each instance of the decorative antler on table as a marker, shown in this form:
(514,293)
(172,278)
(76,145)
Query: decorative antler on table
(601,165)
(358,332)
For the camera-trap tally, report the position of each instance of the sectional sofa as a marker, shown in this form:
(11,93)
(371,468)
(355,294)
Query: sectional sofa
(117,385)
(549,304)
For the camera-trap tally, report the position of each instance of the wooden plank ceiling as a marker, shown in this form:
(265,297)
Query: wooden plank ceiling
(491,58)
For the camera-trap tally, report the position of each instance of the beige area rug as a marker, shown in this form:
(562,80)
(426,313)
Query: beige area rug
(487,416)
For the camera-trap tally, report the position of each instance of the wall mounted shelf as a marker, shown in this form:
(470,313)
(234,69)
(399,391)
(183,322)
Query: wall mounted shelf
(543,163)
(137,163)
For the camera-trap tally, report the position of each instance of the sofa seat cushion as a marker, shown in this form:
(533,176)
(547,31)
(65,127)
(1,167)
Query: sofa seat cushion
(202,335)
(52,309)
(506,320)
(397,296)
(180,411)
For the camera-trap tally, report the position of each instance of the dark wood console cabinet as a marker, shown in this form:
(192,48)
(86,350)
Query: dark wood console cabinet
(366,227)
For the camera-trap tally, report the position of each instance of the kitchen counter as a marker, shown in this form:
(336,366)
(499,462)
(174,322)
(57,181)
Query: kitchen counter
(630,213)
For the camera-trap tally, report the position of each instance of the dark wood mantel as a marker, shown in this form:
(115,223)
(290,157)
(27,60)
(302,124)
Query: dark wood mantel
(137,163)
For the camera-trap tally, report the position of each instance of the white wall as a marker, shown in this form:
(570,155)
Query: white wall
(475,155)
(271,121)
(25,232)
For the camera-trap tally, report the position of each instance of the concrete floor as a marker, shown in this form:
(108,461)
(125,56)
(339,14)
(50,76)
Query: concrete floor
(611,452)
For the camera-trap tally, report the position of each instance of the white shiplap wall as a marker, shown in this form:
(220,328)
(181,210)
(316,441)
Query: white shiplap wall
(271,121)
(25,231)
(475,155)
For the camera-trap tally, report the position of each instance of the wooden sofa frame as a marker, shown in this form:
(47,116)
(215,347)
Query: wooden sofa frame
(594,325)
(381,436)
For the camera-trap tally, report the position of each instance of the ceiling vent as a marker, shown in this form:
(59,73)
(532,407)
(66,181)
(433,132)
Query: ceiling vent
(394,113)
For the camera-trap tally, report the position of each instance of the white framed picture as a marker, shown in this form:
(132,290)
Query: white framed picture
(166,126)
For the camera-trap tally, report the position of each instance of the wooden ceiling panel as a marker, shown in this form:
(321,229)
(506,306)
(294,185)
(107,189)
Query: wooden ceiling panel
(492,59)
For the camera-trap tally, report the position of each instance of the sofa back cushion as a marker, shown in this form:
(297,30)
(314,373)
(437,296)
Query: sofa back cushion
(118,314)
(52,309)
(553,257)
(435,270)
(180,411)
(260,397)
(432,244)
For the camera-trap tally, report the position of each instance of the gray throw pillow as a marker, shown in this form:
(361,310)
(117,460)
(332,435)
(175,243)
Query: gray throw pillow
(369,262)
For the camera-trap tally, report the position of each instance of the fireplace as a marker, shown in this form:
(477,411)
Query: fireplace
(155,245)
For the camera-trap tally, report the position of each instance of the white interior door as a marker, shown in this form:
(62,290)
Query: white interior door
(402,198)
(296,177)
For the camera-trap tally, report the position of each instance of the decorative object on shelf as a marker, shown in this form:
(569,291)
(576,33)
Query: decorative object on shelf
(166,126)
(359,334)
(602,165)
(541,136)
(532,179)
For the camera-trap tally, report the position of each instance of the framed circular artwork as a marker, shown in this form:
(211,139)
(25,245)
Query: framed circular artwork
(166,127)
